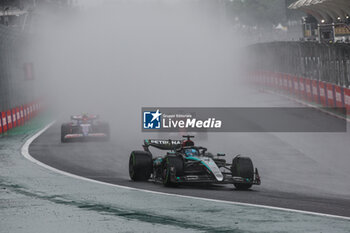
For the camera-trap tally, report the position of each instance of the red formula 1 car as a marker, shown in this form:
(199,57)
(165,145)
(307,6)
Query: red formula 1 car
(84,127)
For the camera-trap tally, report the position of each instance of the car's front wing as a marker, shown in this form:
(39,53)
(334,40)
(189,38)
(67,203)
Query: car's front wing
(228,179)
(90,135)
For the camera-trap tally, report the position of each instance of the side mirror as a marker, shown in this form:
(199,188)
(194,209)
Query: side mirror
(218,154)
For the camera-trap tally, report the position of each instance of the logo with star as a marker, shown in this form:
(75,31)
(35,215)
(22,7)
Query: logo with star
(152,120)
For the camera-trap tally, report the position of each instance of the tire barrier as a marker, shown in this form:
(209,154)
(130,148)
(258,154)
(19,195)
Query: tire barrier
(306,89)
(19,115)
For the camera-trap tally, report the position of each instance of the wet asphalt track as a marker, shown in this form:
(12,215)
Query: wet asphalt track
(292,175)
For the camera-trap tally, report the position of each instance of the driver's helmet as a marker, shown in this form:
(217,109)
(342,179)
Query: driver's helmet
(187,143)
(85,118)
(191,152)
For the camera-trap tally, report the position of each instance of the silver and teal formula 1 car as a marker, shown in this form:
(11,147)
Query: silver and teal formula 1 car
(186,163)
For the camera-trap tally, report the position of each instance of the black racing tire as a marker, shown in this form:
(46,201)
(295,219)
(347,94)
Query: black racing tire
(239,186)
(64,132)
(140,165)
(175,162)
(243,167)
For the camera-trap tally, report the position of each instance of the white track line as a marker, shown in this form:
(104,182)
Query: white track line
(25,153)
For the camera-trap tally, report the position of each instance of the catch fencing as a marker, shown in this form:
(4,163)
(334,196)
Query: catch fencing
(17,82)
(18,100)
(317,61)
(313,72)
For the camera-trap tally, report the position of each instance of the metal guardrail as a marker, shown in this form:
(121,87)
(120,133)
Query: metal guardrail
(319,61)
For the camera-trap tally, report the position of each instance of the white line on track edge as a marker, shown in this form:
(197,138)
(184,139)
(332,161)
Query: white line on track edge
(25,153)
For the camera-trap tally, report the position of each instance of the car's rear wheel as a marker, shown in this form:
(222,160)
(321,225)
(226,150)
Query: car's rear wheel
(243,167)
(64,132)
(173,164)
(140,165)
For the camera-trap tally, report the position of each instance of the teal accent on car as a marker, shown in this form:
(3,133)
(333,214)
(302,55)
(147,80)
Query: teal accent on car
(197,159)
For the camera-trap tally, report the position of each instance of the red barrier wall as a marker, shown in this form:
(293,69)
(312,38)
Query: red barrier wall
(14,118)
(302,91)
(330,95)
(322,89)
(296,86)
(4,121)
(308,90)
(323,93)
(339,96)
(315,91)
(18,115)
(9,119)
(290,84)
(21,114)
(347,99)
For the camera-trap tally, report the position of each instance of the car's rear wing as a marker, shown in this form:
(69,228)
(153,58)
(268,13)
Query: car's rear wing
(80,117)
(162,144)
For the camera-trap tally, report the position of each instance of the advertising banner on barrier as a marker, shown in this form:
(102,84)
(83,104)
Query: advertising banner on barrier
(36,108)
(302,92)
(30,107)
(296,86)
(33,109)
(9,119)
(285,82)
(290,84)
(330,95)
(322,89)
(264,78)
(4,122)
(280,81)
(272,77)
(315,91)
(28,112)
(339,96)
(269,79)
(14,118)
(347,99)
(25,112)
(21,114)
(308,90)
(18,116)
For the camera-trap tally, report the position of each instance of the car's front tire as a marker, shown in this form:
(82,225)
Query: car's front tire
(243,167)
(177,164)
(140,165)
